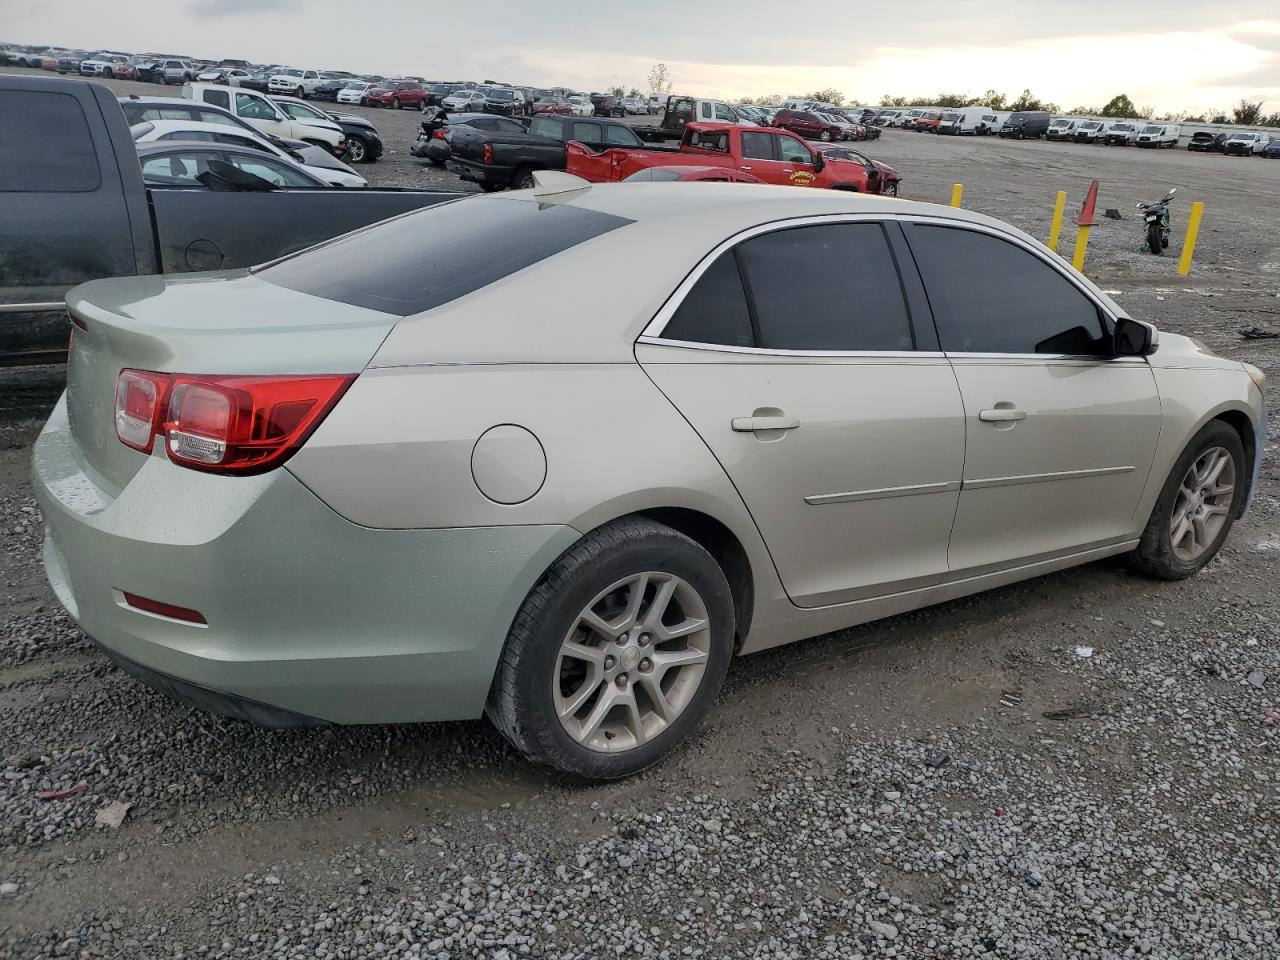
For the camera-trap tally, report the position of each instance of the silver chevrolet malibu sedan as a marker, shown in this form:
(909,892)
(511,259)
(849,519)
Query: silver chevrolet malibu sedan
(445,466)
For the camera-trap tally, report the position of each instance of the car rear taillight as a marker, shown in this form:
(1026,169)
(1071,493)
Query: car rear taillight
(438,135)
(232,424)
(488,153)
(139,401)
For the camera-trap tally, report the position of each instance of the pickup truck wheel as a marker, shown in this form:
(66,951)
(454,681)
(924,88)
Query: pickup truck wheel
(300,93)
(825,136)
(522,179)
(395,103)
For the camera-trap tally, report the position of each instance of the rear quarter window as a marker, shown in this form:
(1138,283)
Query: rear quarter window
(45,144)
(424,259)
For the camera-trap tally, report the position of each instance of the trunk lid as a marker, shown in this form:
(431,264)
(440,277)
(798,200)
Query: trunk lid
(221,323)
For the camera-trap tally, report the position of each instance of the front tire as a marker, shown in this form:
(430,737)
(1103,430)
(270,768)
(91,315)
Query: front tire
(1196,508)
(616,653)
(825,136)
(357,150)
(395,103)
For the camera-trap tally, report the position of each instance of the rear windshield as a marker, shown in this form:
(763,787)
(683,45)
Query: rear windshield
(427,258)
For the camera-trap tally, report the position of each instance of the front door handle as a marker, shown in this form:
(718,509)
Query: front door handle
(756,424)
(1001,415)
(745,166)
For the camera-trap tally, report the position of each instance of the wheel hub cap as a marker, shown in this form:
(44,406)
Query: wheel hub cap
(632,661)
(1203,504)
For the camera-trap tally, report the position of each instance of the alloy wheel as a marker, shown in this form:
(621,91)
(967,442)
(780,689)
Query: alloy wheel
(355,150)
(632,661)
(1203,503)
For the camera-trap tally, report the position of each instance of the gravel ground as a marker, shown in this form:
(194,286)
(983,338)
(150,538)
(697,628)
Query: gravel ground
(957,782)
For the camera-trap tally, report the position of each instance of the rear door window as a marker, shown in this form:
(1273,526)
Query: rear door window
(757,146)
(587,132)
(45,144)
(715,311)
(421,260)
(219,98)
(989,295)
(826,287)
(545,127)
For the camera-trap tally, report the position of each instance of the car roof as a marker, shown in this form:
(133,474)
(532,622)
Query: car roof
(671,226)
(168,126)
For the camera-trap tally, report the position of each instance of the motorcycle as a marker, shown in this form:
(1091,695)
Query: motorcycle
(1156,217)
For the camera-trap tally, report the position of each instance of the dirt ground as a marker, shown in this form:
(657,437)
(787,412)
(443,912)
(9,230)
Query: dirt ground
(812,815)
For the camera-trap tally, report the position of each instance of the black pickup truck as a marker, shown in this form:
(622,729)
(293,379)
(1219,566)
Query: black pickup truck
(73,207)
(497,159)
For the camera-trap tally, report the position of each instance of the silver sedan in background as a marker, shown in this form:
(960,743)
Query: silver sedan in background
(441,468)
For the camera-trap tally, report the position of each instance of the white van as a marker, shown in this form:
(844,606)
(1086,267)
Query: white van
(1121,133)
(258,111)
(978,121)
(1062,128)
(1159,135)
(1090,131)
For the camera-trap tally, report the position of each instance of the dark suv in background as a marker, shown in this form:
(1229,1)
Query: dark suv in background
(606,106)
(807,124)
(506,102)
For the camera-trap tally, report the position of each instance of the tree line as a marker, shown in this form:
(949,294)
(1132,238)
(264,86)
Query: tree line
(1245,113)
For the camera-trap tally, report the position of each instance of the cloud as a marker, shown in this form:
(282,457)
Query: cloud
(234,8)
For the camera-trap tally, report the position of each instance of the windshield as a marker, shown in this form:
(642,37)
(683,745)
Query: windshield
(355,85)
(1122,127)
(1152,129)
(951,116)
(499,95)
(290,73)
(438,88)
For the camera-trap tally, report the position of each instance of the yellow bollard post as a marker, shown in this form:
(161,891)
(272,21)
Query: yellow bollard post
(1055,228)
(1189,244)
(1082,244)
(957,194)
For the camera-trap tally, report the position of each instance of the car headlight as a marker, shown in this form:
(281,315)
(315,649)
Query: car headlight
(1257,376)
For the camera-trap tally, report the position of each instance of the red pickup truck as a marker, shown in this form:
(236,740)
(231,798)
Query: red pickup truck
(769,154)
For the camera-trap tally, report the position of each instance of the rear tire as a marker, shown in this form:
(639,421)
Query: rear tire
(1154,243)
(576,697)
(522,179)
(1166,550)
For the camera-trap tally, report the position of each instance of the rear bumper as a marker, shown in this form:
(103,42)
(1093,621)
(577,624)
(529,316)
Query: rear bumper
(310,616)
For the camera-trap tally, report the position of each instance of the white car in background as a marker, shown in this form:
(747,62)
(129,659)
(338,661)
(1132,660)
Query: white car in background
(354,91)
(315,160)
(259,112)
(103,65)
(227,76)
(464,101)
(581,106)
(298,83)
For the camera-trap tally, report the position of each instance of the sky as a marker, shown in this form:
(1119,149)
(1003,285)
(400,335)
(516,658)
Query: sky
(1179,55)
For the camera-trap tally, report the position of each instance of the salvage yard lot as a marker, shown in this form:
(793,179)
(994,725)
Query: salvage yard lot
(959,781)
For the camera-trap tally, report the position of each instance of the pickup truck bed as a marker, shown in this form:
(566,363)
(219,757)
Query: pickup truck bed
(89,215)
(495,159)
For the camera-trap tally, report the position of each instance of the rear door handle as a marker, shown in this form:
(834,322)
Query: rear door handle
(1001,415)
(755,424)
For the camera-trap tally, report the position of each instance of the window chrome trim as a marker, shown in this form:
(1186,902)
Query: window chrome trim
(797,354)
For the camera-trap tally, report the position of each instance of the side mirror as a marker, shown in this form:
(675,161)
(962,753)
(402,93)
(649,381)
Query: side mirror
(1133,338)
(819,162)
